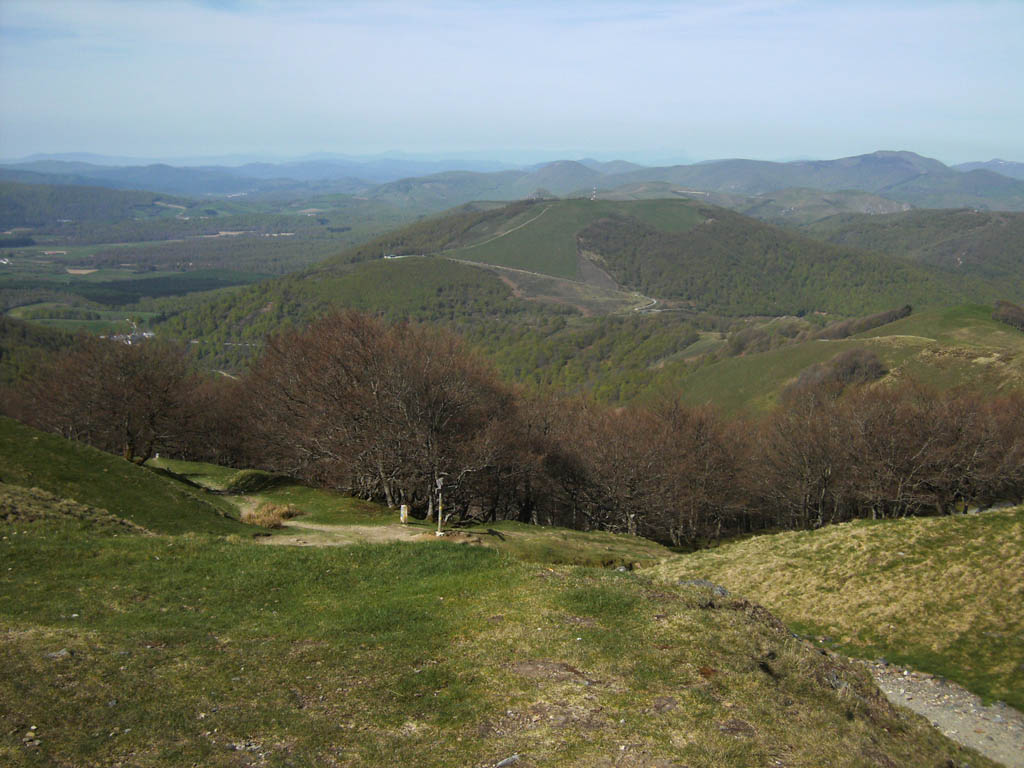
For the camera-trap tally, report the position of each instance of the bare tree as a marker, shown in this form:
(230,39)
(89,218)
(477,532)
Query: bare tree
(127,399)
(801,458)
(397,412)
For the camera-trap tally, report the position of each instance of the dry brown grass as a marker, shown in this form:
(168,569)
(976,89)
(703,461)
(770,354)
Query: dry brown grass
(944,594)
(25,505)
(269,515)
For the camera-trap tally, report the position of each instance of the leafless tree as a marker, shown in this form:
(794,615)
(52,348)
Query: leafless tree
(127,399)
(393,411)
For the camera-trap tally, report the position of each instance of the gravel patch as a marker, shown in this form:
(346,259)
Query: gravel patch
(996,731)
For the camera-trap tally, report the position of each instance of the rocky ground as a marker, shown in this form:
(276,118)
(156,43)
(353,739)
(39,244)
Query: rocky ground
(996,731)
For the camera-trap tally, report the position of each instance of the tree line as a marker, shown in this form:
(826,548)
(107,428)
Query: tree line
(406,413)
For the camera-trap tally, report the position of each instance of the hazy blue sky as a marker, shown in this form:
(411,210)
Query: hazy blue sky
(650,80)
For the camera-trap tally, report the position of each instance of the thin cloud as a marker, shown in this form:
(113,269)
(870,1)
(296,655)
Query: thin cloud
(767,78)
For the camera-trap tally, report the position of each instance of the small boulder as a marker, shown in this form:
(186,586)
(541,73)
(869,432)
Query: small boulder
(717,590)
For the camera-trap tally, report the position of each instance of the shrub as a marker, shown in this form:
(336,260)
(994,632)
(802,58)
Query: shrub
(846,328)
(854,366)
(1009,313)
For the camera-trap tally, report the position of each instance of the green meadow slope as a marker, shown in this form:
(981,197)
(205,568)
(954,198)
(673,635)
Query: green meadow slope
(144,496)
(545,238)
(941,347)
(943,595)
(219,651)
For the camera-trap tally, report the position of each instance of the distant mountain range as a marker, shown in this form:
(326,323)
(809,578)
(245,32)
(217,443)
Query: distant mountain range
(899,177)
(1004,167)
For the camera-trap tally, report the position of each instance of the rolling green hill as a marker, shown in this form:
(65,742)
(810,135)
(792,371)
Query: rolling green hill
(730,264)
(229,327)
(36,205)
(555,258)
(940,347)
(144,496)
(545,238)
(735,265)
(872,587)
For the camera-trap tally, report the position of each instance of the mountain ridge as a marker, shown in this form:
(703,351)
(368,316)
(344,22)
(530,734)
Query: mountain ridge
(902,176)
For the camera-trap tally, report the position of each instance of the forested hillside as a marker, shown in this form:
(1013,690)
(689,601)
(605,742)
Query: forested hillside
(685,256)
(734,265)
(965,242)
(38,205)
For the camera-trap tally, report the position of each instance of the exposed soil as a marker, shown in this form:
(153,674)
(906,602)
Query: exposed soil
(303,534)
(996,731)
(592,274)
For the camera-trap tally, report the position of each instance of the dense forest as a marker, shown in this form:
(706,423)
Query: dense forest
(735,266)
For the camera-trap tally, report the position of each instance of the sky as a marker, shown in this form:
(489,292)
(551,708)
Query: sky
(521,81)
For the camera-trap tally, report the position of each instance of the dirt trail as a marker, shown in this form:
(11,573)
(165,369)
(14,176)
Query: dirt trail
(303,534)
(997,731)
(496,237)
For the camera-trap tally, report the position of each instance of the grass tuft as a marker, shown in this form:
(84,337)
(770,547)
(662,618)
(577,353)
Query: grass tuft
(269,515)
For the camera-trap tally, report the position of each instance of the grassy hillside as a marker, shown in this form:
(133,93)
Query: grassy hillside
(160,650)
(597,258)
(703,257)
(943,595)
(730,263)
(943,348)
(546,240)
(144,496)
(332,516)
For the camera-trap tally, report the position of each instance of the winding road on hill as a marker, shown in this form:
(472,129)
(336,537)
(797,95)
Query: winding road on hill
(646,307)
